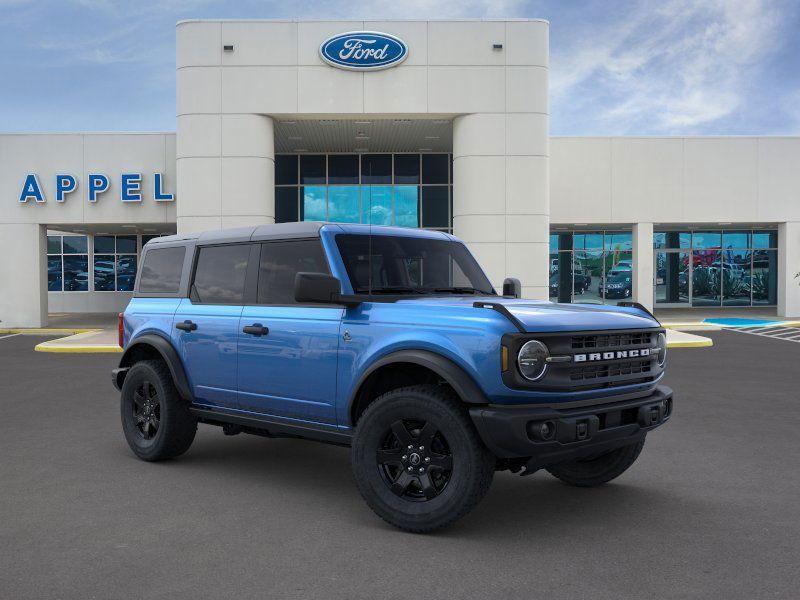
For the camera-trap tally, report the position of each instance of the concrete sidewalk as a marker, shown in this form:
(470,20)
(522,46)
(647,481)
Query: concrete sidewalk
(88,342)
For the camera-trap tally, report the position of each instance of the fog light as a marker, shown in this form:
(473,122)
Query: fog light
(543,430)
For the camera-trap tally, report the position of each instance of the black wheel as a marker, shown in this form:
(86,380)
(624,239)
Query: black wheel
(597,470)
(417,459)
(156,421)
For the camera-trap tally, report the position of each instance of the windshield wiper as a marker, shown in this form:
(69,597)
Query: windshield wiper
(461,290)
(392,290)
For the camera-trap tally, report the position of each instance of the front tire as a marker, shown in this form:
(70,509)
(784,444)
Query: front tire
(598,470)
(417,459)
(155,420)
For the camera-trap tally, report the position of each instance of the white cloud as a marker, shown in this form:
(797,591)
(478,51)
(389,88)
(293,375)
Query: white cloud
(669,69)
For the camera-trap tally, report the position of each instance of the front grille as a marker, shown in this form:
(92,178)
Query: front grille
(604,371)
(613,340)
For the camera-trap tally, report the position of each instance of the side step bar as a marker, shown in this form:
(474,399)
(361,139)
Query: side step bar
(273,426)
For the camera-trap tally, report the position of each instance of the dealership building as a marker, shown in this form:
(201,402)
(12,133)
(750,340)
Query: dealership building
(434,124)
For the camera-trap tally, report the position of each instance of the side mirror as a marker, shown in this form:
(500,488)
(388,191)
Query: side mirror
(318,288)
(512,287)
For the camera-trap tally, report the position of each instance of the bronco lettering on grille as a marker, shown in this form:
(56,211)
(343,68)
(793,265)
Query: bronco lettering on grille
(595,356)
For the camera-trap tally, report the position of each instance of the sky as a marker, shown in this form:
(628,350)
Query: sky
(617,67)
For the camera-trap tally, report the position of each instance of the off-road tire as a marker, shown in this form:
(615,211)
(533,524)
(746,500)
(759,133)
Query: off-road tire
(599,470)
(176,425)
(472,465)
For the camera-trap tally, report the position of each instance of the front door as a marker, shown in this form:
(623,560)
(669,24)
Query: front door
(288,352)
(206,325)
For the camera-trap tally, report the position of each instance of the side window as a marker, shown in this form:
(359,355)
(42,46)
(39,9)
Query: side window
(280,262)
(220,274)
(161,271)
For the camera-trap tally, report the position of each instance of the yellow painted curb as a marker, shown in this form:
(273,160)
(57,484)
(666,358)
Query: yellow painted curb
(97,349)
(46,331)
(704,343)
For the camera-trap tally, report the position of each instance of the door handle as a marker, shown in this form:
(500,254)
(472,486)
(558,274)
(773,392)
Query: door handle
(256,329)
(186,326)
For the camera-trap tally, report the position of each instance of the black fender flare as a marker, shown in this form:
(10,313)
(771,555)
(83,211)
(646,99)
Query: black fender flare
(461,382)
(168,354)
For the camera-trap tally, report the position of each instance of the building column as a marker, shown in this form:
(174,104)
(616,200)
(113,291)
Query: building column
(226,171)
(788,266)
(23,271)
(642,279)
(501,201)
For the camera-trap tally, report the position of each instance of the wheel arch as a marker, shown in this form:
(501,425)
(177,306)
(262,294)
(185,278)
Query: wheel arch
(152,346)
(418,361)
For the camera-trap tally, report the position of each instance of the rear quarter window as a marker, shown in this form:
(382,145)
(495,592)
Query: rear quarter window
(161,270)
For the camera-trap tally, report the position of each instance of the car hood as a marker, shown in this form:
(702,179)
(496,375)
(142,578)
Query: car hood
(544,316)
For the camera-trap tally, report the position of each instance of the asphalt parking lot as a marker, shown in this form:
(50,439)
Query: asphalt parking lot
(710,510)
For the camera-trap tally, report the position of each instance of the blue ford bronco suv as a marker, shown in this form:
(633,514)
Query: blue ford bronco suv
(391,341)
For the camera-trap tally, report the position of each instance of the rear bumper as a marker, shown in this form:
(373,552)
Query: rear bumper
(515,431)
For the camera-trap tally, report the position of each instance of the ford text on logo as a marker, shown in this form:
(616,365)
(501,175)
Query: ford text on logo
(611,355)
(363,50)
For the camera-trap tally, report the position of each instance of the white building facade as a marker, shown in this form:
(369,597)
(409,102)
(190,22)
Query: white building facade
(450,134)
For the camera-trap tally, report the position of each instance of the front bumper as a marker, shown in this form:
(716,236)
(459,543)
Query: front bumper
(515,431)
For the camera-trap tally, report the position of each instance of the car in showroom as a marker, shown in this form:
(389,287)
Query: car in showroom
(391,341)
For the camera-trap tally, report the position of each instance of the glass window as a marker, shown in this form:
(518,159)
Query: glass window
(312,168)
(286,205)
(735,277)
(342,168)
(672,277)
(376,168)
(406,168)
(736,239)
(587,275)
(343,204)
(765,277)
(672,239)
(618,281)
(765,239)
(434,207)
(314,203)
(553,242)
(280,262)
(553,271)
(285,169)
(706,277)
(376,204)
(618,241)
(104,244)
(409,264)
(126,272)
(103,272)
(434,168)
(76,273)
(75,244)
(588,241)
(707,239)
(54,244)
(406,205)
(220,274)
(126,244)
(54,278)
(161,270)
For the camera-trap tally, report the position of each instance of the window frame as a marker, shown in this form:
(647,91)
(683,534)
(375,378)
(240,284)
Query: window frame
(262,245)
(247,291)
(116,255)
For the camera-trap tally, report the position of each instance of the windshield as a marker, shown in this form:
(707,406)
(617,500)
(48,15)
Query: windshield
(410,265)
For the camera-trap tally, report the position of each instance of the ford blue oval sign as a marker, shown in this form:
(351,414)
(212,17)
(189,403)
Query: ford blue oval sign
(363,50)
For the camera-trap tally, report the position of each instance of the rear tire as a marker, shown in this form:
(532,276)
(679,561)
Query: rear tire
(599,470)
(418,460)
(155,420)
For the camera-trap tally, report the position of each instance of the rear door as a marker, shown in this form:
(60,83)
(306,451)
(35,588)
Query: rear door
(288,351)
(206,325)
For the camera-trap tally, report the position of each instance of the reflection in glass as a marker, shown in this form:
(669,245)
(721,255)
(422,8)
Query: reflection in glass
(587,275)
(54,273)
(76,273)
(735,277)
(104,244)
(765,239)
(103,272)
(672,277)
(672,239)
(706,277)
(707,239)
(54,244)
(765,277)
(376,204)
(736,239)
(406,205)
(126,273)
(553,270)
(618,282)
(75,244)
(343,204)
(618,241)
(314,203)
(126,244)
(588,241)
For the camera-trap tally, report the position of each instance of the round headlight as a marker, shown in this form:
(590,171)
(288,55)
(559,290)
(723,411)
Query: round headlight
(662,349)
(532,359)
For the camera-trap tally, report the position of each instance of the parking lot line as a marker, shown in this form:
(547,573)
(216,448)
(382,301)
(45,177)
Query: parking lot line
(2,337)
